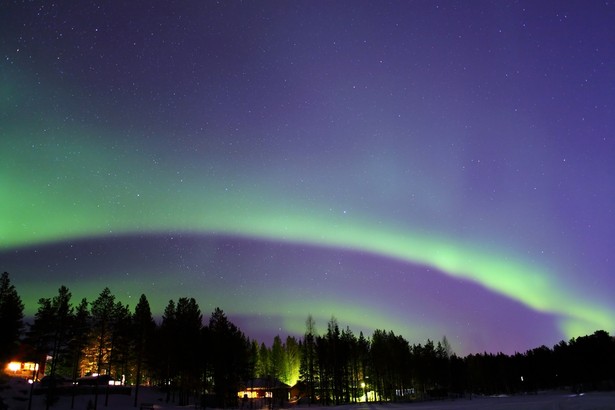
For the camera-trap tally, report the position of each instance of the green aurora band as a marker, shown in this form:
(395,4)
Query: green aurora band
(62,190)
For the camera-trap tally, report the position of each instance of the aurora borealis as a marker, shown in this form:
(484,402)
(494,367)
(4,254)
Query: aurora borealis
(428,168)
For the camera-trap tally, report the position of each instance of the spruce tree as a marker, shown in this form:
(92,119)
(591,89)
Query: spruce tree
(11,317)
(144,327)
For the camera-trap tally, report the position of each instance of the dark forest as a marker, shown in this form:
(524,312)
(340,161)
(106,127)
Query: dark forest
(208,360)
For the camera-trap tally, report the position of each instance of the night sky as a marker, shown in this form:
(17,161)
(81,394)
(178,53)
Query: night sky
(431,168)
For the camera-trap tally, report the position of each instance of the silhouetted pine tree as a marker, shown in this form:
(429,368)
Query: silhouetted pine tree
(227,357)
(188,324)
(143,333)
(363,362)
(308,369)
(49,335)
(102,311)
(11,317)
(41,332)
(264,361)
(78,339)
(276,359)
(390,361)
(167,350)
(120,339)
(349,380)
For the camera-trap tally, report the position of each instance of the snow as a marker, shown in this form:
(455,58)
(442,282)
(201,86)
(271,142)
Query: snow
(541,401)
(17,394)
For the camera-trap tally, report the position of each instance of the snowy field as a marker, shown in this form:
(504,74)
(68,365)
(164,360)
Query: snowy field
(17,399)
(543,401)
(551,401)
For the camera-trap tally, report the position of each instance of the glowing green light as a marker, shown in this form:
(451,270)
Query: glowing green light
(56,193)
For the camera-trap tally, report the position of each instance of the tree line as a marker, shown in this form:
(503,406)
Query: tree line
(206,362)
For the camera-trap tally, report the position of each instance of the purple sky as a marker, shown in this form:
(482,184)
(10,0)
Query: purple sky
(431,168)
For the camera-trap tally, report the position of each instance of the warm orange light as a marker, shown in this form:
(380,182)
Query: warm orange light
(247,394)
(14,366)
(30,366)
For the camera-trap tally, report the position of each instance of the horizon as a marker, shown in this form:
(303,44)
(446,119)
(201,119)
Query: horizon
(431,169)
(279,324)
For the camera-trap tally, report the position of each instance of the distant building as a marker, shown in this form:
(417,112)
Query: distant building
(26,364)
(24,370)
(264,390)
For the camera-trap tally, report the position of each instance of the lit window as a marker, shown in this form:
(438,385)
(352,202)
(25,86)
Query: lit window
(14,366)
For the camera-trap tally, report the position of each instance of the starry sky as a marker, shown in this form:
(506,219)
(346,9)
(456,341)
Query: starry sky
(431,168)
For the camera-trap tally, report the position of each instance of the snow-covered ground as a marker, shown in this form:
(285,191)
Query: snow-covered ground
(542,401)
(16,397)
